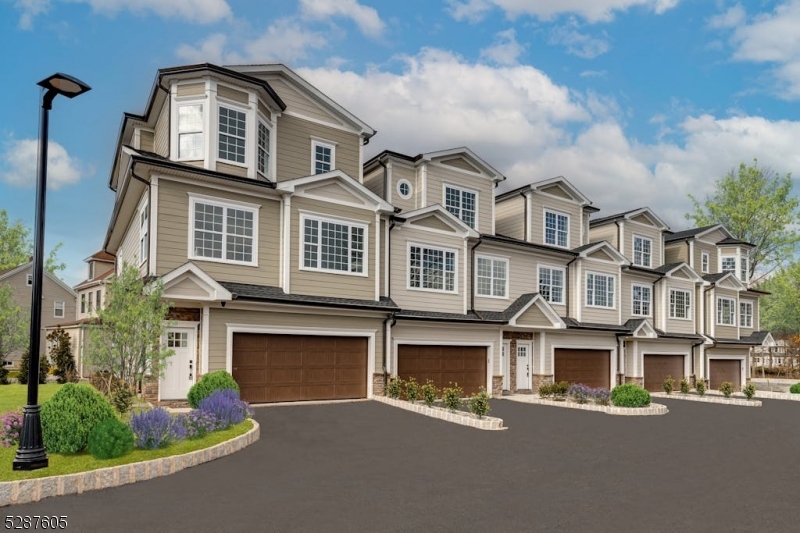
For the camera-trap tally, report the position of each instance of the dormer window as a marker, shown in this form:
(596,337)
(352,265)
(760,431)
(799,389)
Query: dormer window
(232,135)
(642,251)
(729,265)
(556,229)
(263,148)
(190,132)
(461,203)
(323,156)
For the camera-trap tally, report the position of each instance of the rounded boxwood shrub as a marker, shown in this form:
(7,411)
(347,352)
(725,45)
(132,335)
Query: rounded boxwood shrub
(795,389)
(630,395)
(110,439)
(70,415)
(213,381)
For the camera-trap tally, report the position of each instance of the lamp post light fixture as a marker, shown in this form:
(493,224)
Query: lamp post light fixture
(31,454)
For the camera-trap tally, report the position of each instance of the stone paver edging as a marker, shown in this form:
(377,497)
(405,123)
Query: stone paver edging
(652,409)
(465,419)
(708,398)
(33,490)
(778,395)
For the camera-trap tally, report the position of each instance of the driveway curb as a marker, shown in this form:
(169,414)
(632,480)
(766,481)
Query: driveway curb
(652,409)
(707,399)
(487,422)
(33,490)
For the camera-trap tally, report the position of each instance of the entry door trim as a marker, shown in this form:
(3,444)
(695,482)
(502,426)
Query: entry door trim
(183,324)
(506,363)
(529,363)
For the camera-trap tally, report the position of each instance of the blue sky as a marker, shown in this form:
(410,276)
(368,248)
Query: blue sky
(637,102)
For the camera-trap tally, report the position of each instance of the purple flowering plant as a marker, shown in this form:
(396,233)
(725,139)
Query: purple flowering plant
(198,423)
(226,407)
(10,428)
(601,396)
(156,428)
(580,392)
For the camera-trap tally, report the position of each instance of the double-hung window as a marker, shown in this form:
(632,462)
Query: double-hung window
(323,157)
(492,277)
(726,314)
(642,251)
(264,135)
(556,229)
(190,131)
(58,309)
(223,232)
(642,297)
(144,233)
(680,304)
(461,203)
(551,284)
(83,303)
(729,264)
(744,270)
(599,290)
(704,261)
(431,268)
(334,246)
(746,314)
(90,302)
(232,135)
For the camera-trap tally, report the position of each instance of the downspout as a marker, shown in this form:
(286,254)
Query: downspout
(567,283)
(385,178)
(714,344)
(389,263)
(472,275)
(620,247)
(688,252)
(386,349)
(619,355)
(525,228)
(695,345)
(653,303)
(149,208)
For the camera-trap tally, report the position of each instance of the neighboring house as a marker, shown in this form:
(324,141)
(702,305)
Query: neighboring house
(58,301)
(311,274)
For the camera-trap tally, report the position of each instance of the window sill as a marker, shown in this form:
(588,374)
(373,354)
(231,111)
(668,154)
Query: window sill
(223,261)
(440,291)
(339,272)
(605,307)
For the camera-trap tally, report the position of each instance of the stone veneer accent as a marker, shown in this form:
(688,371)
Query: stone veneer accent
(652,409)
(541,379)
(512,353)
(635,381)
(709,397)
(378,384)
(465,419)
(497,385)
(33,490)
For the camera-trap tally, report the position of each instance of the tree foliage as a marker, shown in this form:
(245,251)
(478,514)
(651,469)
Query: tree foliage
(127,343)
(61,356)
(756,205)
(16,246)
(24,368)
(13,328)
(780,310)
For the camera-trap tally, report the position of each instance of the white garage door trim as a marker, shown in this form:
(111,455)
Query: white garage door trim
(728,357)
(612,348)
(441,342)
(687,362)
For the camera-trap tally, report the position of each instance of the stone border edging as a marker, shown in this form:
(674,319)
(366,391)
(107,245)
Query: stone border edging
(707,398)
(487,422)
(770,395)
(33,490)
(652,409)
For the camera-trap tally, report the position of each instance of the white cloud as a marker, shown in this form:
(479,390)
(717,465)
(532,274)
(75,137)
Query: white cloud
(199,11)
(731,18)
(18,165)
(30,9)
(505,49)
(589,10)
(578,43)
(366,18)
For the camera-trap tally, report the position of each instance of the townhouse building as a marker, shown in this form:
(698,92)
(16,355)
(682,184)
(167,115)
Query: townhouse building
(309,273)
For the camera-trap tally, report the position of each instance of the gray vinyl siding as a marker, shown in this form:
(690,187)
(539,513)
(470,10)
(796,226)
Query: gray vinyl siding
(599,314)
(649,232)
(327,283)
(725,332)
(570,339)
(294,147)
(713,265)
(676,325)
(677,252)
(438,175)
(161,139)
(173,235)
(400,172)
(541,203)
(626,294)
(510,217)
(333,319)
(606,232)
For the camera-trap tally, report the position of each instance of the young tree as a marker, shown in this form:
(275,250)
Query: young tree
(127,343)
(24,368)
(16,246)
(756,205)
(780,310)
(13,329)
(61,355)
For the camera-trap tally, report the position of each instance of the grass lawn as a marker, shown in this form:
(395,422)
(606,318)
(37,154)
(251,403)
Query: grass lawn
(15,395)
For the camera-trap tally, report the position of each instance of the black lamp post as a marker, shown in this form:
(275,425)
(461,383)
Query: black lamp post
(31,454)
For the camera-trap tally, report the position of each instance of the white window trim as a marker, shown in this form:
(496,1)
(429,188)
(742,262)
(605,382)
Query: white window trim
(326,144)
(563,286)
(744,274)
(29,280)
(446,185)
(144,232)
(614,293)
(689,311)
(650,255)
(409,244)
(492,258)
(176,135)
(752,310)
(225,204)
(544,227)
(705,262)
(271,166)
(62,307)
(335,220)
(734,308)
(410,189)
(735,270)
(248,141)
(650,302)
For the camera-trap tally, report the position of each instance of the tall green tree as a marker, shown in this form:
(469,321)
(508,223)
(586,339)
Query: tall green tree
(16,246)
(756,205)
(127,343)
(61,355)
(780,310)
(13,328)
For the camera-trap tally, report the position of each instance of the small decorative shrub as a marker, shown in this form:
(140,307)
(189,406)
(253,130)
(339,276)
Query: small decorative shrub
(226,407)
(70,415)
(10,428)
(110,439)
(479,403)
(429,393)
(197,423)
(546,390)
(213,381)
(155,428)
(669,385)
(700,387)
(726,388)
(451,397)
(601,396)
(749,391)
(684,386)
(122,398)
(560,390)
(630,395)
(394,388)
(25,362)
(412,390)
(105,382)
(795,389)
(579,392)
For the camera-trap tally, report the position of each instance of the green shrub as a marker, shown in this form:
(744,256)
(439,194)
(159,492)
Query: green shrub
(213,381)
(700,387)
(669,385)
(412,390)
(546,390)
(630,395)
(394,388)
(451,396)
(122,398)
(560,390)
(24,363)
(685,386)
(429,393)
(70,415)
(726,388)
(479,403)
(110,439)
(749,391)
(795,389)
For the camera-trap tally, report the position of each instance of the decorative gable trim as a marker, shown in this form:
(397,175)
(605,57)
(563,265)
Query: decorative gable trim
(468,155)
(686,269)
(645,331)
(606,247)
(371,200)
(189,271)
(730,281)
(571,190)
(544,307)
(459,228)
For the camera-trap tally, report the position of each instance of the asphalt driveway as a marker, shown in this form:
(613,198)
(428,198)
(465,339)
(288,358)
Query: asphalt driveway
(366,466)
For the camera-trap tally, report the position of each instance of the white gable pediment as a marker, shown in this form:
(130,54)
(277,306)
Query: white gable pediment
(190,282)
(731,282)
(437,218)
(558,191)
(461,163)
(332,190)
(337,187)
(603,251)
(537,313)
(434,222)
(645,331)
(684,271)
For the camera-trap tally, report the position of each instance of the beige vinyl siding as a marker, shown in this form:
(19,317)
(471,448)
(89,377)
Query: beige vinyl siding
(571,339)
(425,300)
(234,170)
(327,283)
(699,248)
(382,258)
(676,252)
(542,203)
(147,140)
(400,172)
(725,332)
(728,250)
(298,103)
(161,139)
(234,95)
(438,175)
(433,222)
(294,147)
(605,232)
(374,181)
(335,319)
(128,251)
(461,163)
(715,236)
(637,349)
(510,217)
(443,333)
(626,294)
(745,331)
(173,235)
(677,325)
(600,315)
(649,232)
(534,316)
(191,89)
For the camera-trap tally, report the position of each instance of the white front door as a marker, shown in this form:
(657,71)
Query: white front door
(505,361)
(180,367)
(523,366)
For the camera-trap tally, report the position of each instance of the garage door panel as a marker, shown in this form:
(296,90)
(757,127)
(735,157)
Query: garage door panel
(590,367)
(283,375)
(289,343)
(312,359)
(443,365)
(658,366)
(249,341)
(721,370)
(250,377)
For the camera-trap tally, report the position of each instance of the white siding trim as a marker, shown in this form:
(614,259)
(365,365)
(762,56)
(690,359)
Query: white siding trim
(464,275)
(424,188)
(153,231)
(544,227)
(287,244)
(205,329)
(377,256)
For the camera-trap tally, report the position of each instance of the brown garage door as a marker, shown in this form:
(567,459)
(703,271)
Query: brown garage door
(465,365)
(590,367)
(658,366)
(725,370)
(283,368)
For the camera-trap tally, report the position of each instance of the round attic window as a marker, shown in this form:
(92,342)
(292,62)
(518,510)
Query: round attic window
(404,189)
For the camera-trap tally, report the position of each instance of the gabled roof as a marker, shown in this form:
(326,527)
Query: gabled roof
(538,185)
(449,218)
(763,338)
(640,327)
(289,186)
(24,266)
(524,302)
(214,291)
(695,233)
(627,215)
(97,280)
(585,250)
(265,293)
(463,151)
(504,239)
(715,279)
(669,268)
(102,256)
(731,240)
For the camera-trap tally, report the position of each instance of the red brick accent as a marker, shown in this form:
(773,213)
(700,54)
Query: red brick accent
(521,335)
(150,391)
